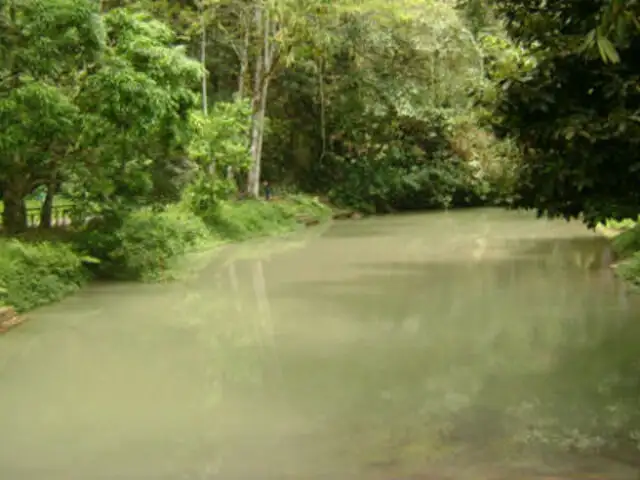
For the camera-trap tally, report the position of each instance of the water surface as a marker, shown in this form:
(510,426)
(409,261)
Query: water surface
(464,345)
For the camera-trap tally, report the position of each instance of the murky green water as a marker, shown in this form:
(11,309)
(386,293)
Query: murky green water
(435,346)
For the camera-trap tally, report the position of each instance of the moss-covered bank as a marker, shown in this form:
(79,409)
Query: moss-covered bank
(145,245)
(625,242)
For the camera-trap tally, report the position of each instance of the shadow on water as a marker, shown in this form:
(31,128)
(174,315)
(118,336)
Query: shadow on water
(599,409)
(494,356)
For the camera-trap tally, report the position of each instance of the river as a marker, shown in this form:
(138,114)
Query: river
(473,344)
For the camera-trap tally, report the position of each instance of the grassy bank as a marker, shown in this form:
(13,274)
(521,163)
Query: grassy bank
(144,246)
(34,274)
(625,241)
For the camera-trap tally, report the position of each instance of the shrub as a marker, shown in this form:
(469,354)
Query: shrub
(629,270)
(626,246)
(34,274)
(491,162)
(627,243)
(253,218)
(621,225)
(144,244)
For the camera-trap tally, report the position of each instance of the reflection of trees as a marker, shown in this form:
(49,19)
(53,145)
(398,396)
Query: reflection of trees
(403,361)
(524,304)
(221,319)
(225,305)
(454,345)
(235,287)
(599,409)
(264,319)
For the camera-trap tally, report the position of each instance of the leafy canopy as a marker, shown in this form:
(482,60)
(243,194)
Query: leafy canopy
(576,117)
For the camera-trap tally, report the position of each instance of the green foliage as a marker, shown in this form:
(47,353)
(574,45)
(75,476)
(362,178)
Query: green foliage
(575,117)
(380,108)
(629,269)
(626,246)
(45,47)
(34,274)
(144,244)
(47,39)
(406,163)
(627,243)
(100,102)
(254,218)
(372,88)
(139,98)
(621,225)
(219,148)
(491,162)
(220,138)
(384,115)
(47,115)
(205,192)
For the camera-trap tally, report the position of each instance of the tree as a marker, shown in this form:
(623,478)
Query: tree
(369,102)
(224,130)
(575,117)
(618,24)
(366,113)
(140,98)
(46,47)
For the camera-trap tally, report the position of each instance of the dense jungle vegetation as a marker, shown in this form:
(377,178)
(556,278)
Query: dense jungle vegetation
(120,105)
(575,115)
(148,120)
(127,108)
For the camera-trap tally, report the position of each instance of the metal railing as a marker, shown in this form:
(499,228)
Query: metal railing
(60,216)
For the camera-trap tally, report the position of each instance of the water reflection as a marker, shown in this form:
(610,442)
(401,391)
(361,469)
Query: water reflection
(466,345)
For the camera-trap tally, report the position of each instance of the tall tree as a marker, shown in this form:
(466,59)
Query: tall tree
(47,48)
(576,118)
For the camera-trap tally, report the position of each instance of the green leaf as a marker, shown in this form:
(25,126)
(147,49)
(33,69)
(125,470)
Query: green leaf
(607,51)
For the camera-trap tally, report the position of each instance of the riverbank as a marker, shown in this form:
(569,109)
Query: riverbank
(39,269)
(625,242)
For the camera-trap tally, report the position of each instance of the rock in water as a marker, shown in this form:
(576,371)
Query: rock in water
(8,318)
(6,313)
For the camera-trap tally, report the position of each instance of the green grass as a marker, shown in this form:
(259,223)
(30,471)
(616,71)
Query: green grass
(235,221)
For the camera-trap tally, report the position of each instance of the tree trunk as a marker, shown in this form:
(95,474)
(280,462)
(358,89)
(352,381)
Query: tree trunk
(205,79)
(203,59)
(323,123)
(263,114)
(257,123)
(262,74)
(253,179)
(244,63)
(14,215)
(46,212)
